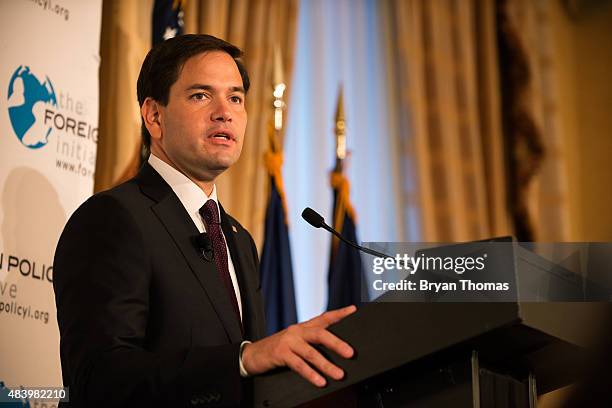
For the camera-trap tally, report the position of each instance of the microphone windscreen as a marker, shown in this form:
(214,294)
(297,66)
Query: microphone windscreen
(312,217)
(203,242)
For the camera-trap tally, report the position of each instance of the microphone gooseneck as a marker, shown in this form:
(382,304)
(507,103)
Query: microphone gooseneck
(316,220)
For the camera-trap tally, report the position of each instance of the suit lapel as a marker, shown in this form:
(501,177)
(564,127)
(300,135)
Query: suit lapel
(244,272)
(171,213)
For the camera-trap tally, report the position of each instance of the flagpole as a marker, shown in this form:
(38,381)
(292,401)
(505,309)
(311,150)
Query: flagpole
(276,266)
(345,267)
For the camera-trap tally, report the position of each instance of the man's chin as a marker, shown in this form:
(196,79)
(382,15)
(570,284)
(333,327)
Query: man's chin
(221,164)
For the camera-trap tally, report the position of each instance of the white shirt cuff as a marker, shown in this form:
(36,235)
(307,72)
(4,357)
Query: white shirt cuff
(243,371)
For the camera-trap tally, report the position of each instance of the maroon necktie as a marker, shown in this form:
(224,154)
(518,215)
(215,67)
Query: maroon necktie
(210,214)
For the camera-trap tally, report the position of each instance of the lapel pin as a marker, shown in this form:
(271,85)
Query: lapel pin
(234,228)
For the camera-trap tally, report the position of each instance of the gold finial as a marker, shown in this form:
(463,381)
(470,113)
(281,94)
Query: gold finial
(279,89)
(278,103)
(340,131)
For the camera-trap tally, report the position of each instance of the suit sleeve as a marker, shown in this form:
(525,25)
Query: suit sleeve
(255,256)
(102,275)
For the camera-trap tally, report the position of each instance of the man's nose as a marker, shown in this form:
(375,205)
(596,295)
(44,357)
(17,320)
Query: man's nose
(221,112)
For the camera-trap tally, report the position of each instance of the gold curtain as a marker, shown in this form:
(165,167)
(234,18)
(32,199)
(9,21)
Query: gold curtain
(447,86)
(256,26)
(125,41)
(547,195)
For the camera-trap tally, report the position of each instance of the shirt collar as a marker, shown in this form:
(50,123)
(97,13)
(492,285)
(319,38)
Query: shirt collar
(191,196)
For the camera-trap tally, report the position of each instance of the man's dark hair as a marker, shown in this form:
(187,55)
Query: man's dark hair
(164,62)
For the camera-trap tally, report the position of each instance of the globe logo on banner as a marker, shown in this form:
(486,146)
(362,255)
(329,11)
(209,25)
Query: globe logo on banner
(27,98)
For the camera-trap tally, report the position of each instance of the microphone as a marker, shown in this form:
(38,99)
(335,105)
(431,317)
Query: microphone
(316,220)
(204,245)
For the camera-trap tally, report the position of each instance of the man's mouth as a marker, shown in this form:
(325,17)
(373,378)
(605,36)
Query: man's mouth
(224,136)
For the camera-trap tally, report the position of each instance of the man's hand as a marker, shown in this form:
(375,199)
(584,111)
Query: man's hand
(292,348)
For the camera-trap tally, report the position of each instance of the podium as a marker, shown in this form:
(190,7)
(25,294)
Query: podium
(497,354)
(439,354)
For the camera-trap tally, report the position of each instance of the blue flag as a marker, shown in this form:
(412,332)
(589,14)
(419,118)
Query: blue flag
(276,269)
(167,20)
(345,266)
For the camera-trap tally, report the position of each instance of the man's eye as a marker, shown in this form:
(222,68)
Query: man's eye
(236,99)
(199,96)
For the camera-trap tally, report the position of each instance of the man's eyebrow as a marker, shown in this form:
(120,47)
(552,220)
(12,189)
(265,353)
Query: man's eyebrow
(205,87)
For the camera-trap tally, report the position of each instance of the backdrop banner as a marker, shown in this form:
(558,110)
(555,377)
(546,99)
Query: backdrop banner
(48,139)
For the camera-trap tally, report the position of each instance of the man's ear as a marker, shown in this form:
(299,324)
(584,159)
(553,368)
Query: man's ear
(151,115)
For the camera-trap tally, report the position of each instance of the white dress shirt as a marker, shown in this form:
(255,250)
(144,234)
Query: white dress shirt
(193,198)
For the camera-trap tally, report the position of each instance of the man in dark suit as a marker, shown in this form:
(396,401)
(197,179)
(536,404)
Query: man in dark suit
(156,286)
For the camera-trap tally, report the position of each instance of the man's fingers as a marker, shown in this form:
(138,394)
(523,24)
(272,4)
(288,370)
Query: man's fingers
(329,341)
(316,359)
(331,317)
(298,365)
(292,347)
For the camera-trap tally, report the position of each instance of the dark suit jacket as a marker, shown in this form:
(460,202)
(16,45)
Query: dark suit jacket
(144,319)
